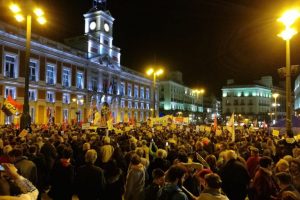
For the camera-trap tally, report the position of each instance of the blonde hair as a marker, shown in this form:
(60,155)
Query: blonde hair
(282,165)
(91,156)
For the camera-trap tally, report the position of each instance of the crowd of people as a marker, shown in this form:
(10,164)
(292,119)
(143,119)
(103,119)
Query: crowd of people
(146,163)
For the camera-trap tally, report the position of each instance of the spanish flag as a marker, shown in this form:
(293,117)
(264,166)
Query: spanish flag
(10,106)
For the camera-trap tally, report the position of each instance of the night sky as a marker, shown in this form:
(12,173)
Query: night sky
(210,41)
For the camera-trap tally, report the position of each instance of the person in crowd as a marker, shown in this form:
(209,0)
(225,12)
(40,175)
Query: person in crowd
(135,180)
(282,166)
(62,177)
(235,177)
(90,182)
(26,190)
(25,167)
(288,144)
(151,191)
(295,172)
(115,180)
(212,162)
(4,157)
(253,161)
(174,179)
(106,151)
(263,186)
(212,190)
(159,162)
(285,184)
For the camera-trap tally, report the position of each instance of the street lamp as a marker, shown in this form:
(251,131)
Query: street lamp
(275,95)
(197,92)
(28,11)
(288,18)
(155,73)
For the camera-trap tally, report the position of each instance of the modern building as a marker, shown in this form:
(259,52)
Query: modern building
(255,101)
(179,100)
(68,80)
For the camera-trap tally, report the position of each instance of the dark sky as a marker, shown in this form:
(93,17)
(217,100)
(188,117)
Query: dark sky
(208,40)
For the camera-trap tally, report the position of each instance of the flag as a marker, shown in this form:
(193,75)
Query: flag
(10,106)
(230,127)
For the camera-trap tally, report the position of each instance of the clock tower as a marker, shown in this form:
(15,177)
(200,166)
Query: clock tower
(99,30)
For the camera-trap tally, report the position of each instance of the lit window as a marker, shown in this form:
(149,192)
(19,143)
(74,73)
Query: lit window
(122,89)
(94,84)
(129,104)
(136,105)
(122,104)
(80,99)
(142,95)
(129,90)
(79,80)
(66,98)
(50,74)
(66,76)
(32,95)
(33,67)
(10,66)
(147,93)
(136,91)
(65,114)
(50,97)
(10,91)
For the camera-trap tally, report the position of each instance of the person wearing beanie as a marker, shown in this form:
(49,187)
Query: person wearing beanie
(212,190)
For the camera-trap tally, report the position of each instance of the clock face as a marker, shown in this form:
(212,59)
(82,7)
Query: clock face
(93,25)
(106,27)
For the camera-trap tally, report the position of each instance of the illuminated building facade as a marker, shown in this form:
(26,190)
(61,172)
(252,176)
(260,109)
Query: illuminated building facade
(67,80)
(177,99)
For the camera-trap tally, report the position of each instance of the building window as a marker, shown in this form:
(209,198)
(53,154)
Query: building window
(32,95)
(10,70)
(33,67)
(142,105)
(142,95)
(141,116)
(136,105)
(94,84)
(10,91)
(80,100)
(147,93)
(66,77)
(147,106)
(136,91)
(129,104)
(66,98)
(122,104)
(65,115)
(129,87)
(50,75)
(50,97)
(122,89)
(79,80)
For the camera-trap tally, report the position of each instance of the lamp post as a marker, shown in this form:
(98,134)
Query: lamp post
(275,95)
(155,73)
(16,10)
(288,18)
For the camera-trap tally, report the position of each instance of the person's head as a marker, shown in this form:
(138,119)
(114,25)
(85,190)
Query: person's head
(211,160)
(229,155)
(284,179)
(86,146)
(67,153)
(295,166)
(7,149)
(282,166)
(158,176)
(106,140)
(254,151)
(14,154)
(175,174)
(213,181)
(135,159)
(202,174)
(265,162)
(161,153)
(90,156)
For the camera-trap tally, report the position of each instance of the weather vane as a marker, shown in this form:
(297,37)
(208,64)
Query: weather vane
(99,4)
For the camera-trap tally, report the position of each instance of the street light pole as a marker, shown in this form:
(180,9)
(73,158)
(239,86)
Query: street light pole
(154,94)
(288,18)
(25,117)
(288,89)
